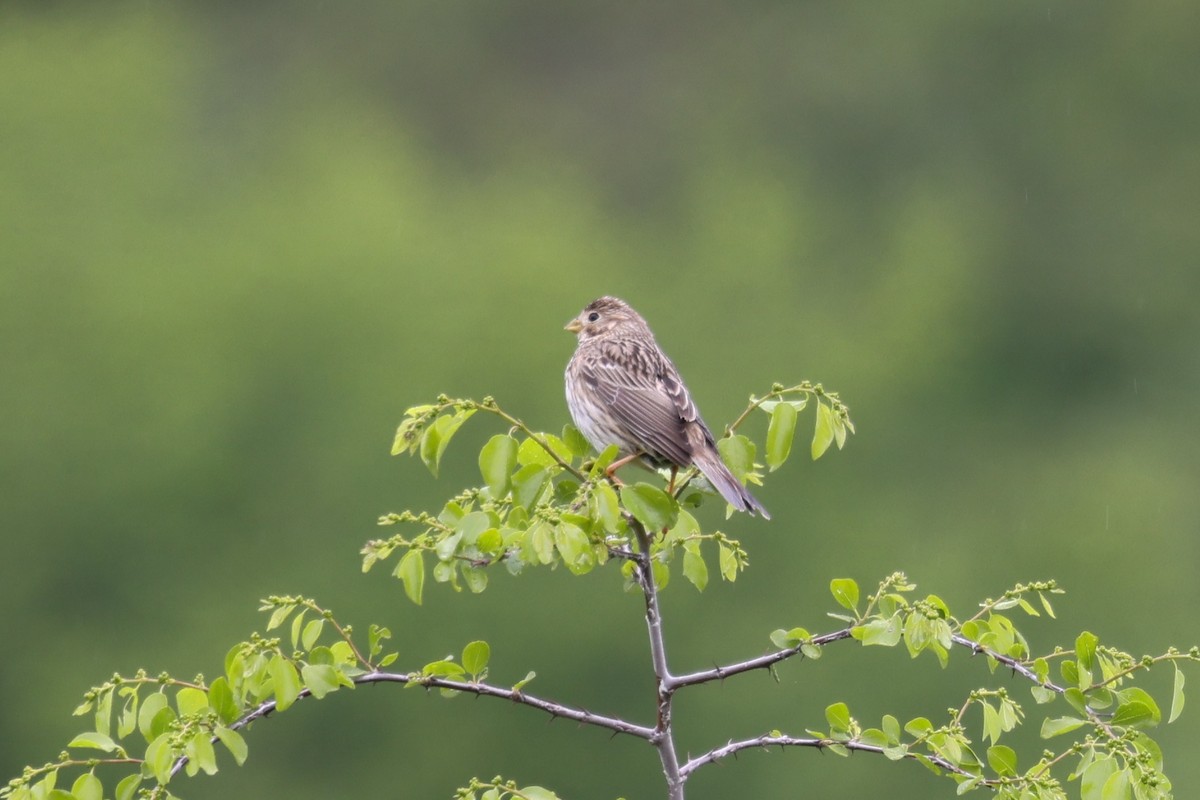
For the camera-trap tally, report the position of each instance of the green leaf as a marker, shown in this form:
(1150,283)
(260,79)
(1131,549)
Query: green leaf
(475,657)
(1137,694)
(160,757)
(149,723)
(968,785)
(874,737)
(1042,695)
(538,793)
(823,434)
(444,669)
(104,713)
(606,508)
(785,640)
(476,579)
(541,540)
(738,454)
(376,635)
(532,453)
(497,460)
(87,787)
(127,788)
(780,433)
(94,740)
(528,484)
(838,717)
(694,568)
(519,685)
(312,632)
(411,570)
(1085,650)
(991,723)
(839,431)
(437,436)
(1091,783)
(891,728)
(297,624)
(285,681)
(127,722)
(279,615)
(769,405)
(574,548)
(1134,714)
(1060,725)
(201,755)
(320,679)
(1117,787)
(233,742)
(472,525)
(653,507)
(1002,760)
(918,727)
(882,632)
(1176,696)
(727,562)
(191,701)
(606,457)
(845,591)
(575,441)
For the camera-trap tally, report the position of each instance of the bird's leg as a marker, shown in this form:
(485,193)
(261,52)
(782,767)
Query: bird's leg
(616,465)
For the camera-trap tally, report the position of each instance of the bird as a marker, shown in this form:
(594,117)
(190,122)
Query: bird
(622,389)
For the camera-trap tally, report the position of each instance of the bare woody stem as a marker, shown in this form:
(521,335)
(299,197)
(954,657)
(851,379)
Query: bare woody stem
(555,710)
(780,740)
(664,738)
(761,662)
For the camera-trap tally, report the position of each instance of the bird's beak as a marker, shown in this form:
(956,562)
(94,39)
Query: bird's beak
(574,326)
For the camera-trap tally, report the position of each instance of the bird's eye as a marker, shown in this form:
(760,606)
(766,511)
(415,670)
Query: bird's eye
(592,317)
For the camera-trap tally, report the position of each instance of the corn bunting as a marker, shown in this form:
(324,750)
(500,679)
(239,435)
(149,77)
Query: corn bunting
(623,390)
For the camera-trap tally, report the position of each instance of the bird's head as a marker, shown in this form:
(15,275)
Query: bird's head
(605,316)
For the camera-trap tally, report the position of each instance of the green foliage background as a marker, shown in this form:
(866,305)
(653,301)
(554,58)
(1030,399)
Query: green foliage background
(237,241)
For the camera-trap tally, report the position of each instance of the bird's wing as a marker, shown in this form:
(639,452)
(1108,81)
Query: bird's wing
(645,395)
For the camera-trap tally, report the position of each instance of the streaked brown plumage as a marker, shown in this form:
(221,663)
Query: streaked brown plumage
(622,389)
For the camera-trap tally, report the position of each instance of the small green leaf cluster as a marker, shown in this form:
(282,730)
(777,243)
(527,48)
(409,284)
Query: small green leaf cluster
(546,500)
(161,724)
(472,667)
(1115,757)
(500,789)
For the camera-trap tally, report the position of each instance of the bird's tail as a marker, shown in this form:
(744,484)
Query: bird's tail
(709,462)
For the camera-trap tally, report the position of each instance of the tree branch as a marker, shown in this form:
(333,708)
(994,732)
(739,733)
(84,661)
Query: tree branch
(761,662)
(664,738)
(1014,664)
(580,715)
(767,740)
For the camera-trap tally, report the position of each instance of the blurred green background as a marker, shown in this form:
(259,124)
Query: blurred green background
(237,240)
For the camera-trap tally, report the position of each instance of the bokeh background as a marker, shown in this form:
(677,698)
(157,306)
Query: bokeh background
(237,240)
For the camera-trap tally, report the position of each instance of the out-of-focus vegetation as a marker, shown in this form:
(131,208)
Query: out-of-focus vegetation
(237,241)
